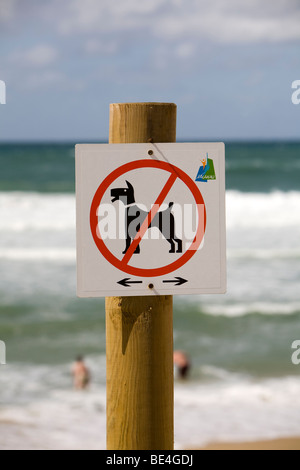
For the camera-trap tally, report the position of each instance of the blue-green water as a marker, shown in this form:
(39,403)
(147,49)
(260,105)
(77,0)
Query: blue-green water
(251,167)
(239,344)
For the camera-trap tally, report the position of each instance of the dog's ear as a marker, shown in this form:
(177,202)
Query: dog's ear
(129,185)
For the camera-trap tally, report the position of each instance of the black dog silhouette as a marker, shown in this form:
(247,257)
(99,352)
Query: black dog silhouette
(135,216)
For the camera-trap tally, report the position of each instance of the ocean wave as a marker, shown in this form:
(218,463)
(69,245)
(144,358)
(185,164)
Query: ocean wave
(272,210)
(47,254)
(21,212)
(249,308)
(238,410)
(69,255)
(263,254)
(230,408)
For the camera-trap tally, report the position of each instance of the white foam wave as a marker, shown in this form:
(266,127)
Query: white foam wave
(237,410)
(231,408)
(47,254)
(276,209)
(21,212)
(246,308)
(32,211)
(79,423)
(69,255)
(264,254)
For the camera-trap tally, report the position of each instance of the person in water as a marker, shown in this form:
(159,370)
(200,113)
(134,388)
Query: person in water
(81,374)
(182,364)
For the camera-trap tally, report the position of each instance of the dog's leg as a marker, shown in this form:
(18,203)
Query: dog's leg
(171,234)
(172,250)
(128,243)
(179,245)
(128,238)
(138,248)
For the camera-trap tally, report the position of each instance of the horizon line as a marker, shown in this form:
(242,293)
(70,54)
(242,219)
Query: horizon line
(179,140)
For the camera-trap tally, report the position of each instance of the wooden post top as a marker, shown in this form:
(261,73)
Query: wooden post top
(142,122)
(144,104)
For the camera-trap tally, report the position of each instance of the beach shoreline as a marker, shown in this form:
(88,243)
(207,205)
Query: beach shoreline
(24,436)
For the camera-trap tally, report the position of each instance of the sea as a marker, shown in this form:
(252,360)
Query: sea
(243,384)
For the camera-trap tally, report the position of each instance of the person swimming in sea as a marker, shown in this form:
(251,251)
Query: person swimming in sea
(81,374)
(182,364)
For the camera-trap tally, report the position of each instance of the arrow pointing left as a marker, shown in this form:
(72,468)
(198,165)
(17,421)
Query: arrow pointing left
(126,282)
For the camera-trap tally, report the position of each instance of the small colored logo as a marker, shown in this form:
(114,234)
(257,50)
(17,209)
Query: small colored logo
(206,171)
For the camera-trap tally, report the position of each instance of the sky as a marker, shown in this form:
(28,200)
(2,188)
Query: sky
(229,66)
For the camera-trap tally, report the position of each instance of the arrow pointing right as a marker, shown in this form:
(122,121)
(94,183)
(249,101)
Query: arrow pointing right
(178,281)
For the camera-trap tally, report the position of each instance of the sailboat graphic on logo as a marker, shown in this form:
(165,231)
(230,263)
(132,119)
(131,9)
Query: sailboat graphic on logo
(206,171)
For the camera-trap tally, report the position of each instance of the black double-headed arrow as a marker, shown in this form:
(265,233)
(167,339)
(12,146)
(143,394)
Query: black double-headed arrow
(178,281)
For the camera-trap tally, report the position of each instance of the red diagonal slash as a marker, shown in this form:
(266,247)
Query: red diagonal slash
(147,222)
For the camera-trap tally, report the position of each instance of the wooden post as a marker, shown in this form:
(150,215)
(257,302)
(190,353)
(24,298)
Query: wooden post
(139,330)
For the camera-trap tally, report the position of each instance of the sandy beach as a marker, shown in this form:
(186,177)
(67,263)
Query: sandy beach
(292,443)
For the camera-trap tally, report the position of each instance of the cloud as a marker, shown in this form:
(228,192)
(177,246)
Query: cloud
(233,22)
(107,16)
(41,55)
(94,46)
(7,10)
(185,50)
(230,21)
(46,79)
(140,38)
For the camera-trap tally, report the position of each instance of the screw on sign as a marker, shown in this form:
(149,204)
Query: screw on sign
(163,220)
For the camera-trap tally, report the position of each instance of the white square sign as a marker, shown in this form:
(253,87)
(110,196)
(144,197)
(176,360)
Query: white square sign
(150,219)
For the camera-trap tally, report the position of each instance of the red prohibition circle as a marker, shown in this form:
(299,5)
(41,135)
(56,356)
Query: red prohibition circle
(143,272)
